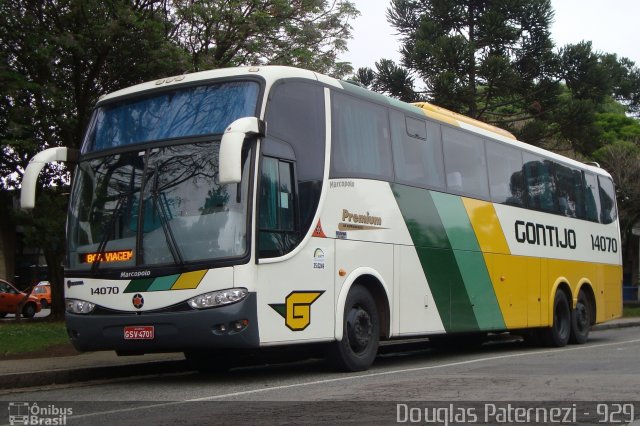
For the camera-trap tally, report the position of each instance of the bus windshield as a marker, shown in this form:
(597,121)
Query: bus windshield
(178,113)
(159,206)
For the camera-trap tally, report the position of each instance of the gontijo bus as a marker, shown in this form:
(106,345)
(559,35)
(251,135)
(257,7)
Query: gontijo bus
(264,206)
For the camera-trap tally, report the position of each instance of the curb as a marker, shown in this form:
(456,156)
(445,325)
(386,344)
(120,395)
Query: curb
(73,375)
(614,325)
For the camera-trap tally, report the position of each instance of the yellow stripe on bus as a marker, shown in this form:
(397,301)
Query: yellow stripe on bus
(189,280)
(486,226)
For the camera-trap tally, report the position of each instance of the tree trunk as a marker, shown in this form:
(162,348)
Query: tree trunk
(56,275)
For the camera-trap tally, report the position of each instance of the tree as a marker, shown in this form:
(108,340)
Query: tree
(478,57)
(594,82)
(305,33)
(389,79)
(58,58)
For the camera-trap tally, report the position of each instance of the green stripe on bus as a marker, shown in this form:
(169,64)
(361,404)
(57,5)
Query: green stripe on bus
(480,290)
(163,283)
(456,222)
(438,261)
(139,285)
(471,264)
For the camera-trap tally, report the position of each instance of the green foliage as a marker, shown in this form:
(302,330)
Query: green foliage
(304,33)
(60,57)
(617,127)
(388,78)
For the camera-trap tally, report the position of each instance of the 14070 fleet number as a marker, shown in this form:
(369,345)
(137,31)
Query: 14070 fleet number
(605,244)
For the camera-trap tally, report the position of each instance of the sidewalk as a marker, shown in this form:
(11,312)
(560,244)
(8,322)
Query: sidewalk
(21,373)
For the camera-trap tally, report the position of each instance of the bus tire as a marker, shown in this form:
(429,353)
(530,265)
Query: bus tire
(360,333)
(558,334)
(581,320)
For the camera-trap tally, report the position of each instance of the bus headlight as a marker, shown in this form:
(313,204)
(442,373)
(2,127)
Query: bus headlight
(76,306)
(218,298)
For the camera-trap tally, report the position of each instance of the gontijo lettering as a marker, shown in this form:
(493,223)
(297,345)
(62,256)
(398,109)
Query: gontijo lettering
(544,235)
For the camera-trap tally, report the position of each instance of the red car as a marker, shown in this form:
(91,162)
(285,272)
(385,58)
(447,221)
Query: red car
(10,297)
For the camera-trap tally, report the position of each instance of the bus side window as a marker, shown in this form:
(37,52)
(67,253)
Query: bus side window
(417,151)
(506,182)
(568,185)
(607,200)
(465,163)
(592,198)
(360,140)
(540,189)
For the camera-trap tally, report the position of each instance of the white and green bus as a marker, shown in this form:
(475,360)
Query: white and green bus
(269,206)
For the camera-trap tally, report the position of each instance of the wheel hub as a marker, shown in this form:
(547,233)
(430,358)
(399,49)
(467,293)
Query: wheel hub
(359,329)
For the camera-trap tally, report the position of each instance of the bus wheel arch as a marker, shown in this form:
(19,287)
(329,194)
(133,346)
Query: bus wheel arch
(362,315)
(375,285)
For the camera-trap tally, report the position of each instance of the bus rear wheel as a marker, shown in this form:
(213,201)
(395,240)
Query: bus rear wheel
(560,331)
(360,333)
(581,320)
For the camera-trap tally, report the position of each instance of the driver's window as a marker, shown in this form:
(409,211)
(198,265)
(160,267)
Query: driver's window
(277,209)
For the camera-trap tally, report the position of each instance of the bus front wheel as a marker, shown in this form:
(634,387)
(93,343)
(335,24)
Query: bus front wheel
(560,331)
(360,333)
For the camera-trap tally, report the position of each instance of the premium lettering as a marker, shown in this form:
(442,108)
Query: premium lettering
(365,219)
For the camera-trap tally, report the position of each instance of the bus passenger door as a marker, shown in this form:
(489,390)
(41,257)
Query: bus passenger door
(295,279)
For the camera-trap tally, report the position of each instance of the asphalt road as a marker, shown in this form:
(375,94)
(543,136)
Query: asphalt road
(585,379)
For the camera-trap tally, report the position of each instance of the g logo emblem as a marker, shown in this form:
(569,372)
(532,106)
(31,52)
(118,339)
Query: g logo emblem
(296,310)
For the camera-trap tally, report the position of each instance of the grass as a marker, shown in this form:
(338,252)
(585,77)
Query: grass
(30,336)
(631,312)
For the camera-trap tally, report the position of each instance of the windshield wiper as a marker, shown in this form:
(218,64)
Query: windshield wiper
(164,221)
(122,198)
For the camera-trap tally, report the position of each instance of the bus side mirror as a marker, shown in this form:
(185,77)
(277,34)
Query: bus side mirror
(229,161)
(30,178)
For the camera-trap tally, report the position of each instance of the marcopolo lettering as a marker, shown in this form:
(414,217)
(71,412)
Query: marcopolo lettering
(544,235)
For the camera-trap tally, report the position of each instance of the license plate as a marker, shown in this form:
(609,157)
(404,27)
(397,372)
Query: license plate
(143,332)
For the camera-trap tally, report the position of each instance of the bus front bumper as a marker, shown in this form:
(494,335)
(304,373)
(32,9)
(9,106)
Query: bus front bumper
(172,331)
